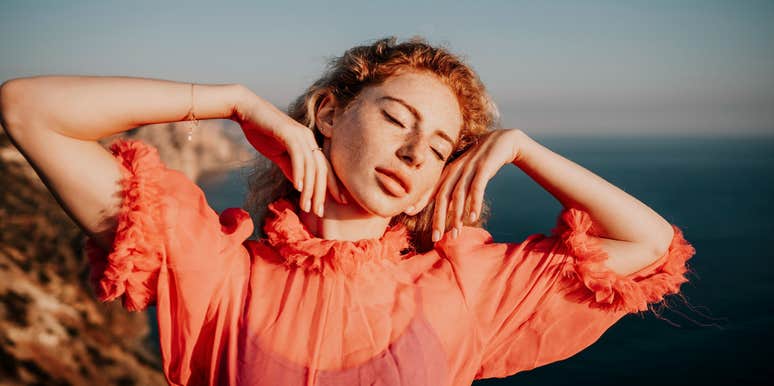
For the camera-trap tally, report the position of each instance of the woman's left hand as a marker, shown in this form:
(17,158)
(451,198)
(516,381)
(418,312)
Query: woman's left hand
(463,181)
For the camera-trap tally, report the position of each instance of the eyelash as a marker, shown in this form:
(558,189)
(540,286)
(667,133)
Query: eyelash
(437,153)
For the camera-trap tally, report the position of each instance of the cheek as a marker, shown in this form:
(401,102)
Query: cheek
(359,145)
(338,160)
(345,153)
(429,181)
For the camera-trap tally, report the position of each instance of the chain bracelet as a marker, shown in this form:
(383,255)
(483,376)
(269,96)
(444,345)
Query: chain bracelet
(193,122)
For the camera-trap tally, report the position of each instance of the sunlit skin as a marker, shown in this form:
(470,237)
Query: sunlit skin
(363,137)
(147,218)
(378,130)
(41,110)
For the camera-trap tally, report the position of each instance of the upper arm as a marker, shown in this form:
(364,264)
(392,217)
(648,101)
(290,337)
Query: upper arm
(625,257)
(547,298)
(82,175)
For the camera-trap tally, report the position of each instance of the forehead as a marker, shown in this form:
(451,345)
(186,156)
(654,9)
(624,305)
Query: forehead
(433,100)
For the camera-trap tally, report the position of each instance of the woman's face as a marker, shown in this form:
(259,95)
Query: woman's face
(405,127)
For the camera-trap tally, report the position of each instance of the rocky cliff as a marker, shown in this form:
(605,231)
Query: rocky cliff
(215,146)
(52,329)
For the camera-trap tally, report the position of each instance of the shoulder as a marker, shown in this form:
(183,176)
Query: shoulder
(479,240)
(469,237)
(475,252)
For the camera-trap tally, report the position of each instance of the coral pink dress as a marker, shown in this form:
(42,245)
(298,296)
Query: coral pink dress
(294,309)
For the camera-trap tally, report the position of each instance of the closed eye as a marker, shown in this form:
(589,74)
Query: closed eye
(392,119)
(438,154)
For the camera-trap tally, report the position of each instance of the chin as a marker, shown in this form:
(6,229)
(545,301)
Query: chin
(378,203)
(371,198)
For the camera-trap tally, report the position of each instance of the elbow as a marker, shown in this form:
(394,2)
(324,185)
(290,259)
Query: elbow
(662,240)
(10,99)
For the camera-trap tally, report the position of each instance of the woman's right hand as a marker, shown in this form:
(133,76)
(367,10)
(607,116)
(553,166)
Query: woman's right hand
(291,146)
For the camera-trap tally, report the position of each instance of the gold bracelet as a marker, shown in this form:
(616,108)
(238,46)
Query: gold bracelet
(193,123)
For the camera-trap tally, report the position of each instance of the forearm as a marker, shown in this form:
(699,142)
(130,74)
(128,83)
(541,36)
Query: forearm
(619,215)
(94,107)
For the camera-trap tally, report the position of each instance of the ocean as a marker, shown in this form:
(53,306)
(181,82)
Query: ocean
(719,191)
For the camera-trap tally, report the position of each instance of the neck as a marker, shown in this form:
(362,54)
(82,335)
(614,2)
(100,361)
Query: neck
(344,222)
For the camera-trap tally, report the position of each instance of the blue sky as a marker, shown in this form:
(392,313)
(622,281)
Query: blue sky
(644,67)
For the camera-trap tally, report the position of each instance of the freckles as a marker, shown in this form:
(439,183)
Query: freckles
(344,145)
(354,151)
(356,146)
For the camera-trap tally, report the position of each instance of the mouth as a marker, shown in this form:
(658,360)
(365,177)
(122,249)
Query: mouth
(394,182)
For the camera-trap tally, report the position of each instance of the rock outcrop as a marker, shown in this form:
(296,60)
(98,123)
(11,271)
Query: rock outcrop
(53,331)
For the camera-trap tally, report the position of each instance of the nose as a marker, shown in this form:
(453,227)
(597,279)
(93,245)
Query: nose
(412,152)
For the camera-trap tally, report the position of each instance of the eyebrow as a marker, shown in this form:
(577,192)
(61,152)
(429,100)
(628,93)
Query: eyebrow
(418,116)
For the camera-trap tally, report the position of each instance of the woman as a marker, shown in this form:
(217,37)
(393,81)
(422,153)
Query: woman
(374,268)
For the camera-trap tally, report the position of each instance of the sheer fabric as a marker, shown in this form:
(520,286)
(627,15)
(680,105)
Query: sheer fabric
(294,309)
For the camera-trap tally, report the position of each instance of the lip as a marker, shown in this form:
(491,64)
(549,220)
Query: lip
(398,177)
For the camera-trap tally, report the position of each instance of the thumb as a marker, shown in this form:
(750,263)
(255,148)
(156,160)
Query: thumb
(283,162)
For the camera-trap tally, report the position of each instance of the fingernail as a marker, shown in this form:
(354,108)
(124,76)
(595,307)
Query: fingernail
(454,233)
(300,185)
(410,208)
(307,205)
(473,216)
(436,235)
(320,210)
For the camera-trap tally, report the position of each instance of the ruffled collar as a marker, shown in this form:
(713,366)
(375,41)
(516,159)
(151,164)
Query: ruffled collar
(300,248)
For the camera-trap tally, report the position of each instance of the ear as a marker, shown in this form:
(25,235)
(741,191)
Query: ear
(423,201)
(326,112)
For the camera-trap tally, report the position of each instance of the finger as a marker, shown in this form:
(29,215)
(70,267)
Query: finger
(284,163)
(441,206)
(333,186)
(439,217)
(297,162)
(309,173)
(459,196)
(476,195)
(320,182)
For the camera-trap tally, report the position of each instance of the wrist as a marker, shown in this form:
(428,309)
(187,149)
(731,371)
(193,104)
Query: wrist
(213,101)
(250,107)
(521,145)
(244,100)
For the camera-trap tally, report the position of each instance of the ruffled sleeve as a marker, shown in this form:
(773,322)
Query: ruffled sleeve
(172,250)
(611,291)
(549,297)
(130,269)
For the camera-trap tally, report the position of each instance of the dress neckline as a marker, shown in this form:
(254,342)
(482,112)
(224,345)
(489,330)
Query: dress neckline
(289,236)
